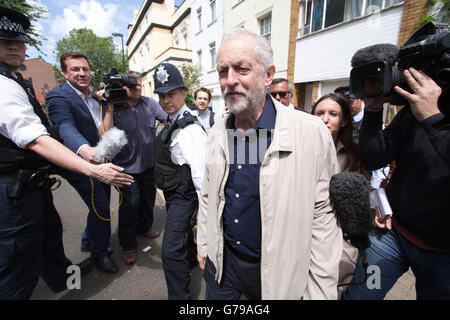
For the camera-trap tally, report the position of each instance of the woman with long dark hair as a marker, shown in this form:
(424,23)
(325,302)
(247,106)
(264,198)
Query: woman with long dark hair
(335,112)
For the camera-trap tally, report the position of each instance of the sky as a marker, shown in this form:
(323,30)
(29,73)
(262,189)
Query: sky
(104,17)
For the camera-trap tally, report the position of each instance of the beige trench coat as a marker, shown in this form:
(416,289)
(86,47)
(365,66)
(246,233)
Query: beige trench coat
(301,243)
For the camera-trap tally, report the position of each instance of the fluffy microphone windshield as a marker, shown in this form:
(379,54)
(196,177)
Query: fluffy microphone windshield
(350,197)
(110,144)
(375,53)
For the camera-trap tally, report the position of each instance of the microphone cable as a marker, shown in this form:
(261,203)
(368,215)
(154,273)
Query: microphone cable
(115,211)
(365,264)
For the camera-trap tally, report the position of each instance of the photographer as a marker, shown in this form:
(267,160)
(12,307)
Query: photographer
(136,118)
(416,236)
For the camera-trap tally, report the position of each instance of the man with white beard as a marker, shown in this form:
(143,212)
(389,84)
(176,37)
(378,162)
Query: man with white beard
(265,227)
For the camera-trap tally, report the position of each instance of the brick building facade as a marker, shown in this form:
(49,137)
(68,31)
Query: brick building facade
(42,76)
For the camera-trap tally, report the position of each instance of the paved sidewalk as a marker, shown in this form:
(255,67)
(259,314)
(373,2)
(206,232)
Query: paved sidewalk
(145,280)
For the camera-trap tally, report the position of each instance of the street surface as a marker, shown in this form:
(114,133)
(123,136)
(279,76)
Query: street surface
(144,280)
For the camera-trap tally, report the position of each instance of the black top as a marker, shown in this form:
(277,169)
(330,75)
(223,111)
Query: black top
(419,189)
(242,213)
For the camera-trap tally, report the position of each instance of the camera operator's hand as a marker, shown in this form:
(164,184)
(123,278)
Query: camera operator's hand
(100,94)
(424,101)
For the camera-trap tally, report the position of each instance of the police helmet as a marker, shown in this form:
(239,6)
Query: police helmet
(167,77)
(13,25)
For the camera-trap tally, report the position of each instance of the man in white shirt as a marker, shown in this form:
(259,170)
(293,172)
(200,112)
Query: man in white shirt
(357,109)
(281,89)
(31,243)
(204,114)
(179,167)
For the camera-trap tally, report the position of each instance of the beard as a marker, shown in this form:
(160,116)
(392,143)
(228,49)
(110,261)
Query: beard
(245,101)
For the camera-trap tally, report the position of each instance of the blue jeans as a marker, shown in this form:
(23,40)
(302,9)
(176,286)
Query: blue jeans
(393,255)
(97,234)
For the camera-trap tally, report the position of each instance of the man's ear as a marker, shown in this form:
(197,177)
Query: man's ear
(269,74)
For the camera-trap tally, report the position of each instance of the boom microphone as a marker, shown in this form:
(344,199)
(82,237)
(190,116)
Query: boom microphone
(350,197)
(375,53)
(110,144)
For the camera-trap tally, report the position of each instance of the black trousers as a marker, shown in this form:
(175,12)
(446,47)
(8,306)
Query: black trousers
(30,243)
(136,211)
(178,247)
(239,277)
(97,234)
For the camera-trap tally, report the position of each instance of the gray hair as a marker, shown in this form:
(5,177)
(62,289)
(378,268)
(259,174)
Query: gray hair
(133,73)
(263,50)
(278,80)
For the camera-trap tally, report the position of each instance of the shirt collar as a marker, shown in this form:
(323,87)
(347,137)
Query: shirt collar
(78,91)
(358,117)
(265,121)
(179,113)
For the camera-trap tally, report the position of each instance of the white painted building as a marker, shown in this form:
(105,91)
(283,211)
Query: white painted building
(269,18)
(206,33)
(328,38)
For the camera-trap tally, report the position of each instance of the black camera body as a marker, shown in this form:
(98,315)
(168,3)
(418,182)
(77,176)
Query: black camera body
(114,83)
(428,50)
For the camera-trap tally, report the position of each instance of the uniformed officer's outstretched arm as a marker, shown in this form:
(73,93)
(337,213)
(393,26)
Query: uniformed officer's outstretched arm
(58,154)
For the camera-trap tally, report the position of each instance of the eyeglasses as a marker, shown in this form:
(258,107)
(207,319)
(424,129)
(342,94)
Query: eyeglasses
(282,94)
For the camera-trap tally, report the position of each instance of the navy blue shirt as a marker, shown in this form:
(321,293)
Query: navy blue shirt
(138,122)
(242,215)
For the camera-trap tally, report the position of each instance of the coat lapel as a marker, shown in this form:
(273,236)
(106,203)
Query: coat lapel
(79,102)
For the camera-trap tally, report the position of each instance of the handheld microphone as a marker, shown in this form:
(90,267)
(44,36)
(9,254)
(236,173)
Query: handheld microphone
(350,197)
(110,145)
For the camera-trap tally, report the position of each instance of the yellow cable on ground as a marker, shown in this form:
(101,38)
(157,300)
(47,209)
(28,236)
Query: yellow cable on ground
(113,212)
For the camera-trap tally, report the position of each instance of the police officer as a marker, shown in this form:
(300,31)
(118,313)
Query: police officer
(179,166)
(30,227)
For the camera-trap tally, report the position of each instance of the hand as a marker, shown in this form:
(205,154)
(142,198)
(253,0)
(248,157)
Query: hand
(201,261)
(100,94)
(424,101)
(87,153)
(111,174)
(385,223)
(225,112)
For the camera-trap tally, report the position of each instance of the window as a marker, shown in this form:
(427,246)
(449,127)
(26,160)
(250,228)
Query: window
(185,38)
(265,27)
(212,52)
(199,19)
(147,46)
(212,5)
(199,59)
(334,12)
(353,10)
(320,14)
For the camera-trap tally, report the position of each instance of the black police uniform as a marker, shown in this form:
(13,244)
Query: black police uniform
(30,227)
(179,252)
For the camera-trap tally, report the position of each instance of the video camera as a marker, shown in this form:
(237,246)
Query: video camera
(374,73)
(113,83)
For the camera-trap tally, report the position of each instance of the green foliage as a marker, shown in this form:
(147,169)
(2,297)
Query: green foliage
(34,12)
(191,77)
(438,11)
(101,52)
